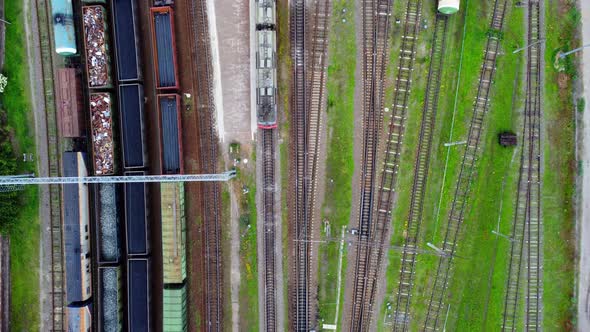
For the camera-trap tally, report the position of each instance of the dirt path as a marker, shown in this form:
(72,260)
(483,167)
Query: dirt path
(38,105)
(584,212)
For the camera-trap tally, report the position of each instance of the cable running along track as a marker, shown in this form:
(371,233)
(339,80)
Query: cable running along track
(468,167)
(414,220)
(210,192)
(307,102)
(376,17)
(527,230)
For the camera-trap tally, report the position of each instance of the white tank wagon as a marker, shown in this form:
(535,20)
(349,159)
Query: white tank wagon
(449,7)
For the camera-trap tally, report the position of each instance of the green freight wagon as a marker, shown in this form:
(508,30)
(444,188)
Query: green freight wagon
(174,315)
(173,233)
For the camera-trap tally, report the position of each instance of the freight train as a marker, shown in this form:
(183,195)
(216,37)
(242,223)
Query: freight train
(266,64)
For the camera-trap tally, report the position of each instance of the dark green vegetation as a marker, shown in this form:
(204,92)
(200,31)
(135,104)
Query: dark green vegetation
(19,211)
(340,162)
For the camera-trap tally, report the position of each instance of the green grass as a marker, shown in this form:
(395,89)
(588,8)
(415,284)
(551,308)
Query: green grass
(24,232)
(24,254)
(495,162)
(339,163)
(248,254)
(558,180)
(478,280)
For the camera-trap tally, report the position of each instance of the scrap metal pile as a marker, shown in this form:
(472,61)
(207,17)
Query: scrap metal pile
(102,133)
(96,47)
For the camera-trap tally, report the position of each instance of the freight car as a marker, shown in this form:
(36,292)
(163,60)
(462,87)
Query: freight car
(164,50)
(110,294)
(101,119)
(266,90)
(448,7)
(266,72)
(170,133)
(127,32)
(79,318)
(138,295)
(76,230)
(98,61)
(131,110)
(136,217)
(64,33)
(107,217)
(68,98)
(173,232)
(175,308)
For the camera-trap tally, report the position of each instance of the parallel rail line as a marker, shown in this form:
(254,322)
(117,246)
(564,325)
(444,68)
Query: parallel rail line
(421,166)
(307,101)
(57,260)
(527,231)
(376,25)
(299,178)
(468,167)
(209,154)
(268,202)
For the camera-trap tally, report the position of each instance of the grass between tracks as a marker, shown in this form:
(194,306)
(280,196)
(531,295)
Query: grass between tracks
(478,280)
(249,318)
(340,162)
(24,231)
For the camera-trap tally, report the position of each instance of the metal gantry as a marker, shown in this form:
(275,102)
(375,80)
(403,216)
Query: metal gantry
(18,180)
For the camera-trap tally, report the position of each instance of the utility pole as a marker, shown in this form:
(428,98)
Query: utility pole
(563,55)
(455,143)
(529,45)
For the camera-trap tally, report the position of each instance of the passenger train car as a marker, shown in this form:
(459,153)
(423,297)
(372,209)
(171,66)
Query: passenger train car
(266,64)
(76,230)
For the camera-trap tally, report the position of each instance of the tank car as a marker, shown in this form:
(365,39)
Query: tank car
(448,7)
(63,27)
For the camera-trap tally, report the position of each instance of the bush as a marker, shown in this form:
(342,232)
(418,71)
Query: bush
(9,201)
(581,105)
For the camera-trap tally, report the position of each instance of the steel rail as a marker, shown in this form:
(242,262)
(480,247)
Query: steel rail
(421,166)
(376,21)
(527,223)
(211,192)
(468,165)
(269,245)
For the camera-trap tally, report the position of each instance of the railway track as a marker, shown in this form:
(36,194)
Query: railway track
(468,166)
(376,23)
(268,138)
(209,154)
(57,266)
(527,225)
(300,216)
(421,166)
(307,101)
